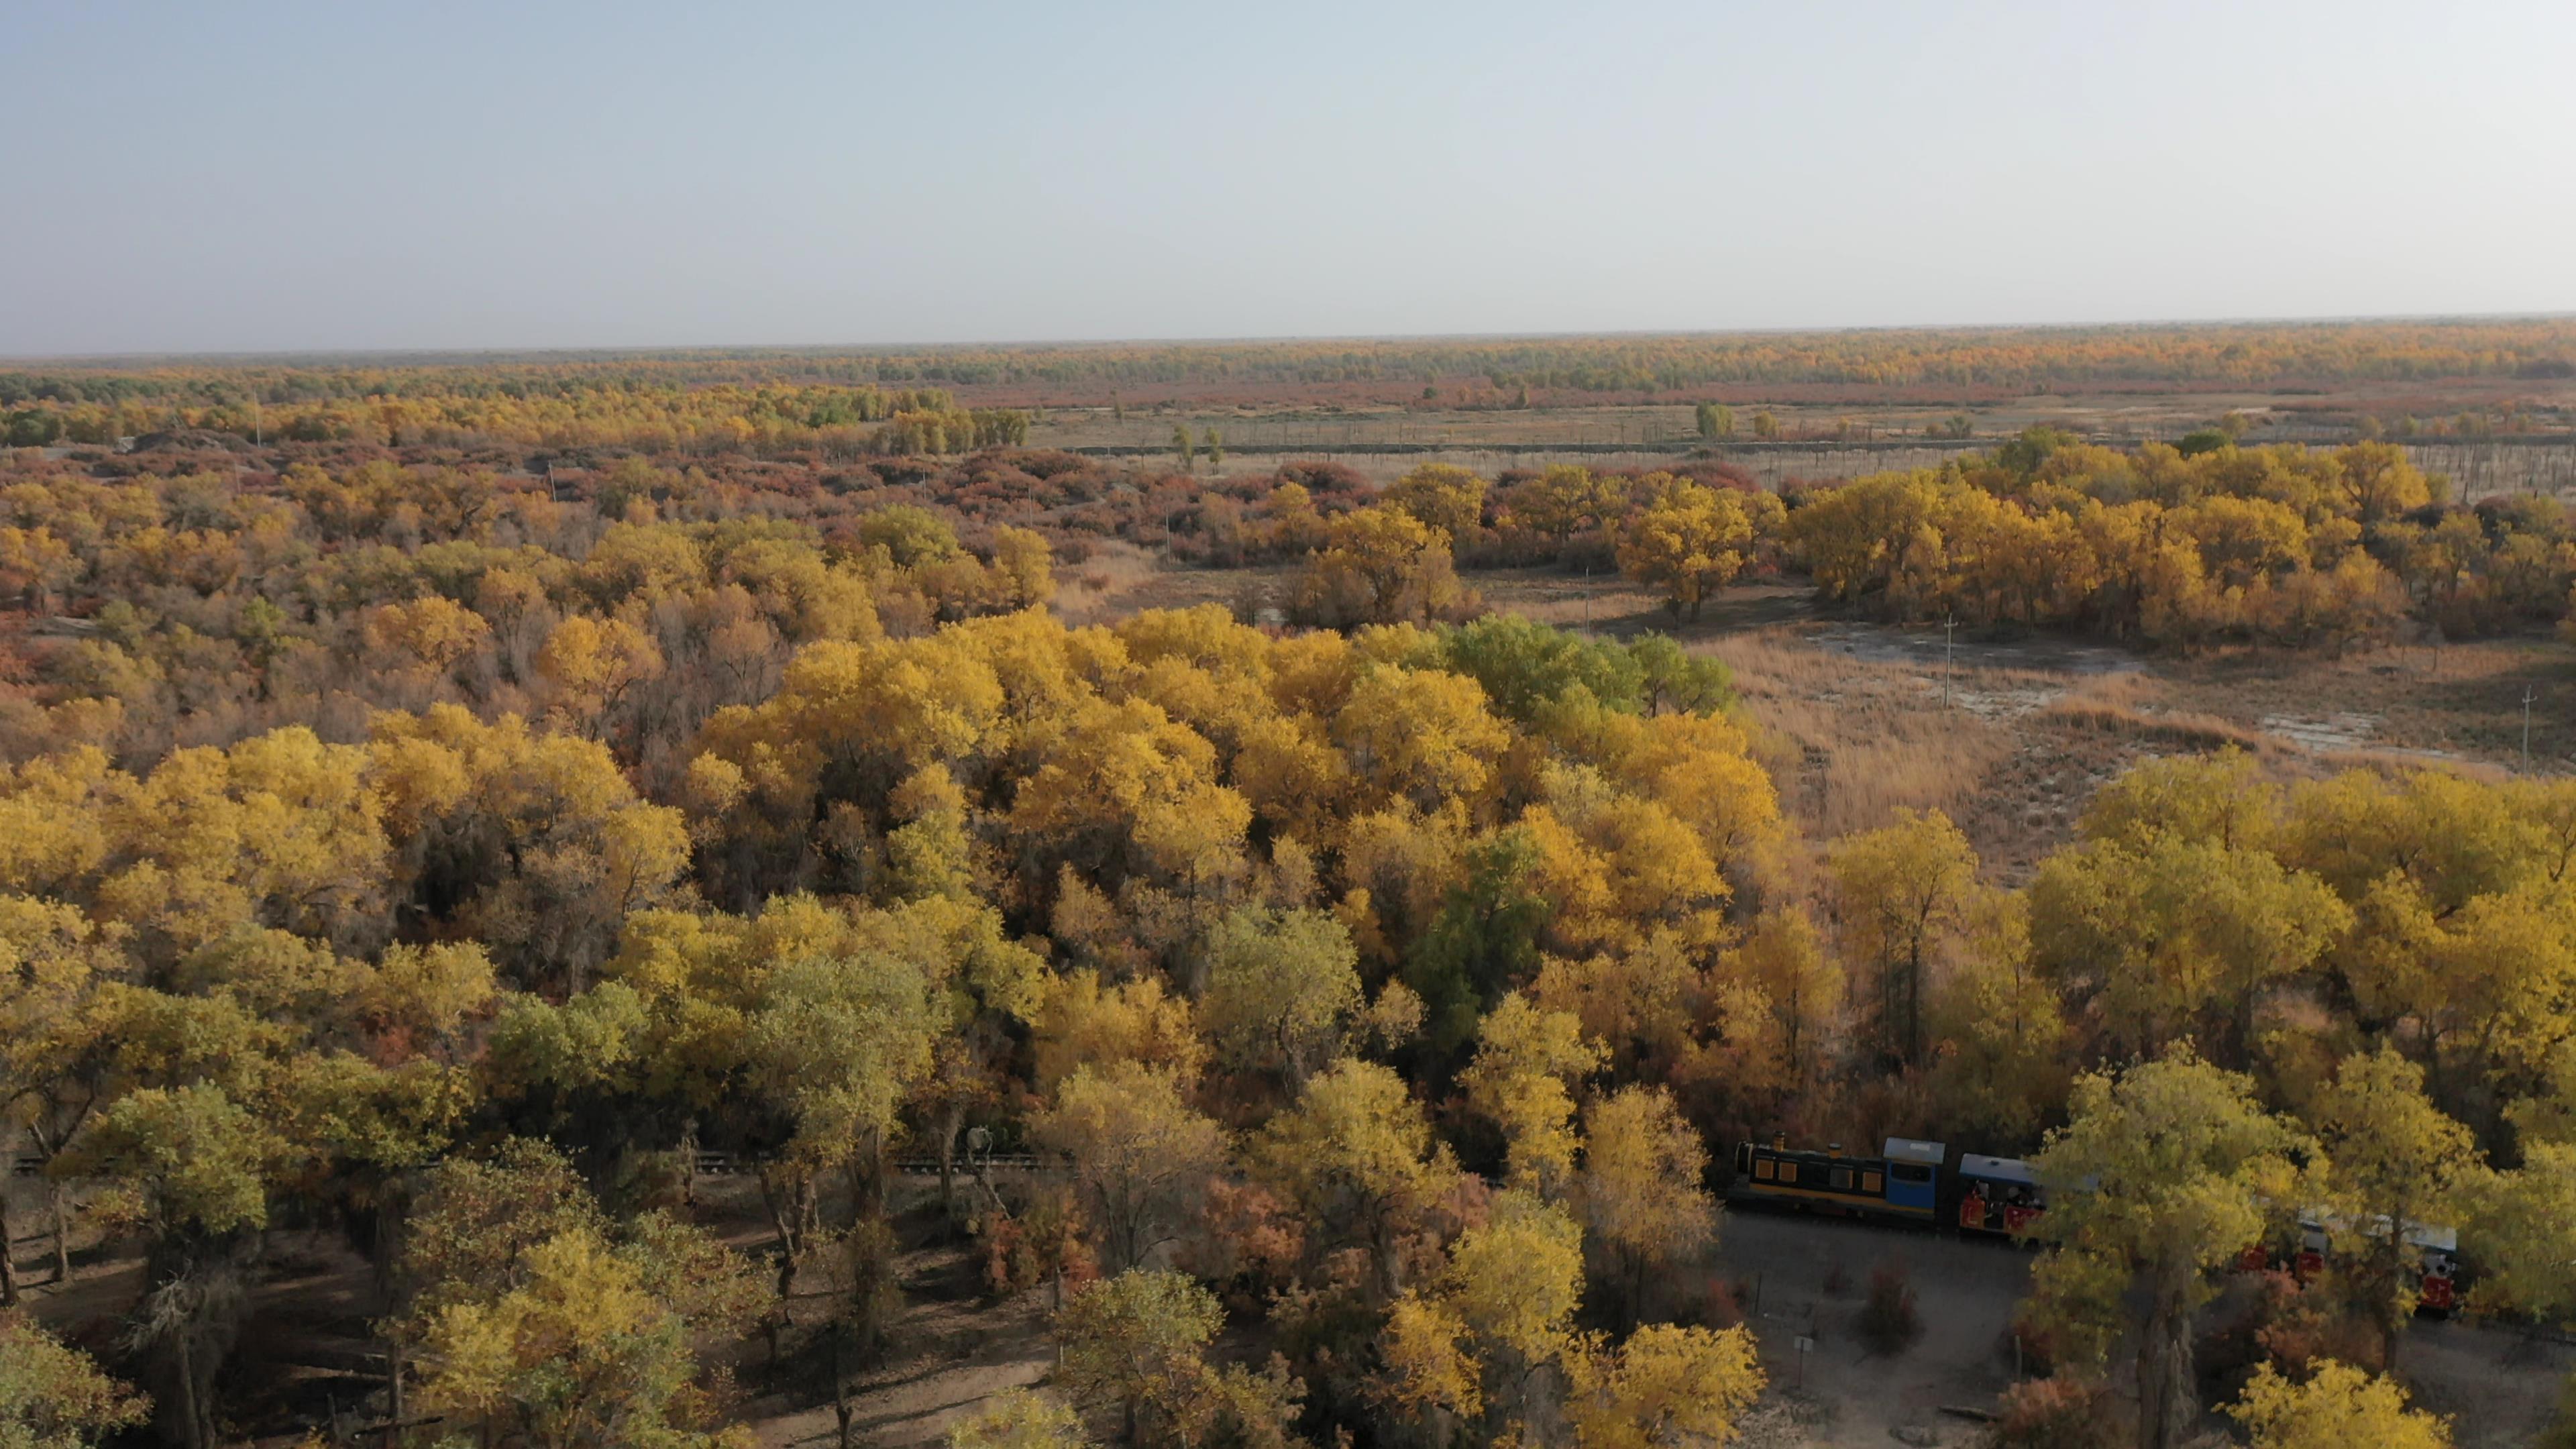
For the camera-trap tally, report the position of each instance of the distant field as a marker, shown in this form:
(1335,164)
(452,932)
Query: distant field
(1383,444)
(2304,381)
(2109,414)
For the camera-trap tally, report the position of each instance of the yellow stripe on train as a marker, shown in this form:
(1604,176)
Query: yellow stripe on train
(1857,1200)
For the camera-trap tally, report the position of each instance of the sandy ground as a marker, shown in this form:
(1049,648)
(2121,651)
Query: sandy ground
(2498,1387)
(1813,1273)
(950,1357)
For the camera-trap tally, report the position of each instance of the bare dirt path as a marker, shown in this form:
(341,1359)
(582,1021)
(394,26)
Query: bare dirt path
(2499,1387)
(949,1356)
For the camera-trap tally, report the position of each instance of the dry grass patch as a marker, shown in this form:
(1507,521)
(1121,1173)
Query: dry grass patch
(2461,701)
(1851,741)
(1120,579)
(2123,708)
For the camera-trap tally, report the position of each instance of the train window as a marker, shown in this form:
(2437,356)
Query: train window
(1869,1183)
(1911,1172)
(1762,1169)
(1842,1179)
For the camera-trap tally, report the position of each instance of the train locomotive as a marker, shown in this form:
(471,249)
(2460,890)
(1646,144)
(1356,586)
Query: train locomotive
(1908,1181)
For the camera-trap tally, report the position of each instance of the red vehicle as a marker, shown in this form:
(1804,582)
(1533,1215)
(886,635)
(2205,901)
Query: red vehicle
(1998,1195)
(2437,1264)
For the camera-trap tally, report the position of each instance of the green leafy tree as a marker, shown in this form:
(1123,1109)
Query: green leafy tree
(1281,988)
(1484,938)
(1136,1346)
(2159,1180)
(2394,1160)
(1906,894)
(194,1167)
(592,1339)
(1674,679)
(1525,665)
(1358,1157)
(839,1042)
(53,1397)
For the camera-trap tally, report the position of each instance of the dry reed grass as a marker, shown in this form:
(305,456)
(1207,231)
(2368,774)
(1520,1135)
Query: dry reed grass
(1120,579)
(2122,706)
(1852,741)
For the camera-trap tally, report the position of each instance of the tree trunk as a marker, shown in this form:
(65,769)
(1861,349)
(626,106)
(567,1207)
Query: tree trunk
(1390,1268)
(62,1236)
(1914,1002)
(952,1120)
(867,1177)
(844,1409)
(8,1247)
(2168,1398)
(790,1204)
(2389,1309)
(188,1392)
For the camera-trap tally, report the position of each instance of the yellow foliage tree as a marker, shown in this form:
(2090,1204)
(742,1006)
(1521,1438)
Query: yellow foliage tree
(2337,1408)
(2161,1177)
(1523,1057)
(1379,566)
(1640,1187)
(1688,541)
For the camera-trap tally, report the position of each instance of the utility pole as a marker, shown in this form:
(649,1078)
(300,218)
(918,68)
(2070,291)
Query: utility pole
(1949,623)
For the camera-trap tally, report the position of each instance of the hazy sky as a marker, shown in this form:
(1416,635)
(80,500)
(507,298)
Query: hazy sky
(459,175)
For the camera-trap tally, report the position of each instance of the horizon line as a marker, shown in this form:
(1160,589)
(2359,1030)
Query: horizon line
(348,355)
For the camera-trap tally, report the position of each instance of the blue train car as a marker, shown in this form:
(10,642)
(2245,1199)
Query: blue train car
(1902,1182)
(1914,1176)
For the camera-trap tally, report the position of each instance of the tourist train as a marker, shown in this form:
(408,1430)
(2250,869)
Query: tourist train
(1913,1181)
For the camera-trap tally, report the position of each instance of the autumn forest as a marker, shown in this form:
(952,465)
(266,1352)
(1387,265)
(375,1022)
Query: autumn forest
(665,899)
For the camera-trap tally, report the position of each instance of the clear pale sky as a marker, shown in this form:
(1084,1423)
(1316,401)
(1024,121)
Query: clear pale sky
(269,176)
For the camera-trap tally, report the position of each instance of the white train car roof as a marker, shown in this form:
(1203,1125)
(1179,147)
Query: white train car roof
(2418,1235)
(1997,1169)
(1907,1149)
(2424,1235)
